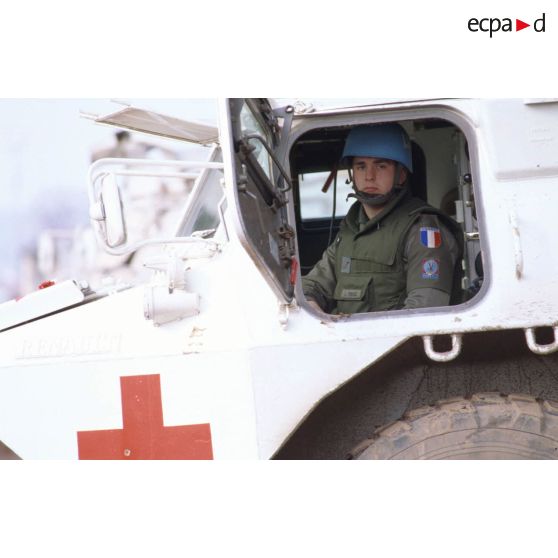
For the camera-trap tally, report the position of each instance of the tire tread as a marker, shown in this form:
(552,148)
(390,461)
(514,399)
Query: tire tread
(530,424)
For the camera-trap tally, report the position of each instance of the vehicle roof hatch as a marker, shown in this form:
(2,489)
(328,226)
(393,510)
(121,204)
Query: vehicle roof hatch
(155,123)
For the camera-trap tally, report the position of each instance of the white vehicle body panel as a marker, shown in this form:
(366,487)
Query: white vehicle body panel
(253,367)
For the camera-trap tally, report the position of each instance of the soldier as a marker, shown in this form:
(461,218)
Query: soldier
(393,250)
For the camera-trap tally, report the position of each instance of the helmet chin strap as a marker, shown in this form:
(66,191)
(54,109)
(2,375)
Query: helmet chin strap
(376,200)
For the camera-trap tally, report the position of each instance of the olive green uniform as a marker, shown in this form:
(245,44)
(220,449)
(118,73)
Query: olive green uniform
(386,263)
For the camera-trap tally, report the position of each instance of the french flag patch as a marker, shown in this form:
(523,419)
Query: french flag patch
(430,237)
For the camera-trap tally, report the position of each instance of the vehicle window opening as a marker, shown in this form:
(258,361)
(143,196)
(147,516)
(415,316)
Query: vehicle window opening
(441,177)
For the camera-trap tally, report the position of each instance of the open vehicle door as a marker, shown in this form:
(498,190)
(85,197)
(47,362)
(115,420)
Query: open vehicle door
(252,144)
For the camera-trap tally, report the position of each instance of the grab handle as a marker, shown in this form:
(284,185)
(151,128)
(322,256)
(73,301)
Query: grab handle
(442,356)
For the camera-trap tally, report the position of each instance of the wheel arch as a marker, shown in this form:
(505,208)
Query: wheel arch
(405,379)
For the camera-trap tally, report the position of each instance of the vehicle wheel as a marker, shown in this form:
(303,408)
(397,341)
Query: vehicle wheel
(485,426)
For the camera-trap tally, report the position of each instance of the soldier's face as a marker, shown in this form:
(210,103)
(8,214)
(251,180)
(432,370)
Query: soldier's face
(375,176)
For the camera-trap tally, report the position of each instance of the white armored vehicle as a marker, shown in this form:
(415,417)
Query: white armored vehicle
(220,356)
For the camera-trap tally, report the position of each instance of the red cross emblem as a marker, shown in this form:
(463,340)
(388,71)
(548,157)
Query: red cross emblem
(144,436)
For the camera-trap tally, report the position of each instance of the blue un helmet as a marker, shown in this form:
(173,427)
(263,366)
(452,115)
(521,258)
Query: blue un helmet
(382,141)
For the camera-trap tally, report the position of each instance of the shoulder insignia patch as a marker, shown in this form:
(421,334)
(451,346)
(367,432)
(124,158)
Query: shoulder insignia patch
(431,237)
(431,269)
